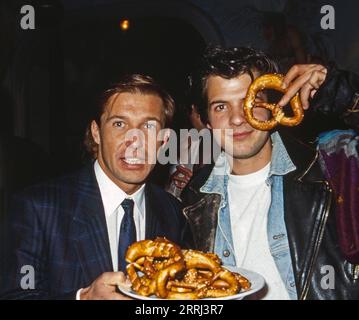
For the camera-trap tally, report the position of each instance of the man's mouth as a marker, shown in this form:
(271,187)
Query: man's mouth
(133,161)
(241,135)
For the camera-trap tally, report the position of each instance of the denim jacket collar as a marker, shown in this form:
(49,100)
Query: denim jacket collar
(281,164)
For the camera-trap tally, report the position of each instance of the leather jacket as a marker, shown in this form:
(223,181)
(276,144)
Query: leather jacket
(309,210)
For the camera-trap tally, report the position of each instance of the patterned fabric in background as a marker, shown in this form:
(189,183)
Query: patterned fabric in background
(339,158)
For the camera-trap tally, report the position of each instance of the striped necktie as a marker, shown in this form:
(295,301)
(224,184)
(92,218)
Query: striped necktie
(127,233)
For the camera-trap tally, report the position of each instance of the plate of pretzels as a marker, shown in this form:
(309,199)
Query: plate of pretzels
(160,269)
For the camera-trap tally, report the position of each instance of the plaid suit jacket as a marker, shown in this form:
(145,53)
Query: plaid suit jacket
(58,230)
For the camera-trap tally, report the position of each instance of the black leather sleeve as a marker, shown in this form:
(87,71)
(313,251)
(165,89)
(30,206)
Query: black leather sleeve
(339,96)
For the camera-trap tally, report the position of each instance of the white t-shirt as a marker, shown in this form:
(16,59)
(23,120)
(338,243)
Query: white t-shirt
(249,201)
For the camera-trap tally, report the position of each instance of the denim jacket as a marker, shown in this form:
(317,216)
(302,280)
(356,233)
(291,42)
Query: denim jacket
(217,182)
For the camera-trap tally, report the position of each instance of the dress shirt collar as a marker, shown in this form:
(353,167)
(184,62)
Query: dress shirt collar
(112,195)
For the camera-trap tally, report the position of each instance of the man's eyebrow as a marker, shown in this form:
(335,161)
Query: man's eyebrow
(126,118)
(216,102)
(152,119)
(116,117)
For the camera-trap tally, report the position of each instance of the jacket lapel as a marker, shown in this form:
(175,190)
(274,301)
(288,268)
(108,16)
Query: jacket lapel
(204,226)
(306,200)
(90,229)
(201,212)
(305,217)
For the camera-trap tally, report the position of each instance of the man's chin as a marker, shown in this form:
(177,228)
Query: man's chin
(132,177)
(241,154)
(130,185)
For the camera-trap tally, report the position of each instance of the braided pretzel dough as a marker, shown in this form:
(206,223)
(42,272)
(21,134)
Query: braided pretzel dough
(140,256)
(271,81)
(160,267)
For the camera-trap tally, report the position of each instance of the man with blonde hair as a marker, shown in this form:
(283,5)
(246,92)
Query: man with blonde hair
(74,231)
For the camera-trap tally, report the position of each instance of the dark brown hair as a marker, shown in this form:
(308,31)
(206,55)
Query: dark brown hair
(132,83)
(227,63)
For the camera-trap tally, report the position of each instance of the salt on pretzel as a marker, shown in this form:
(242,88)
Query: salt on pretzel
(271,81)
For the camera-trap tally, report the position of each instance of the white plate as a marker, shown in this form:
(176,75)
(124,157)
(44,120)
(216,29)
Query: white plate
(256,280)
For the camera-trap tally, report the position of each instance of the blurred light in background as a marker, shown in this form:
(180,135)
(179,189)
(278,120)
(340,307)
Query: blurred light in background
(125,24)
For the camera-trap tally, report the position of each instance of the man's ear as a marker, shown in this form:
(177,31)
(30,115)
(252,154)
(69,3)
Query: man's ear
(95,131)
(209,126)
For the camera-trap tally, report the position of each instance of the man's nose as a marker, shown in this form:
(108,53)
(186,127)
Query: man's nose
(135,142)
(237,115)
(134,139)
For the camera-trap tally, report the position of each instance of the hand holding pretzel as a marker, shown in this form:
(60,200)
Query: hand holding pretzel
(305,79)
(300,82)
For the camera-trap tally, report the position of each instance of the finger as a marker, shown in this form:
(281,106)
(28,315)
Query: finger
(304,95)
(294,72)
(322,75)
(297,70)
(313,92)
(187,173)
(181,173)
(324,70)
(317,78)
(184,170)
(181,179)
(314,82)
(295,86)
(292,90)
(180,184)
(114,278)
(121,276)
(105,276)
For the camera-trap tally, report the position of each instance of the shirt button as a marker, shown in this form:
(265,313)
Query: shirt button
(292,284)
(226,253)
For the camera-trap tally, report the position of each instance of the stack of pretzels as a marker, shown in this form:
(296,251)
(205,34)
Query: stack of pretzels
(159,267)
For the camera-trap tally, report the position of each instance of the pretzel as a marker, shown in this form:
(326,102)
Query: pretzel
(161,268)
(202,269)
(140,257)
(226,285)
(271,81)
(216,281)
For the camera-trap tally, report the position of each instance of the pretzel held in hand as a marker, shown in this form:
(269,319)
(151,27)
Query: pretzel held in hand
(271,81)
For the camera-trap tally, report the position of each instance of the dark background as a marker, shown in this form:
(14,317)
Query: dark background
(48,75)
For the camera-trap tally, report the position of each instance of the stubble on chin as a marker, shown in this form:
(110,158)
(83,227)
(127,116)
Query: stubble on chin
(251,149)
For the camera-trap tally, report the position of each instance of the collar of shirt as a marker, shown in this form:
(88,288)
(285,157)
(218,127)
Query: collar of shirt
(112,195)
(280,165)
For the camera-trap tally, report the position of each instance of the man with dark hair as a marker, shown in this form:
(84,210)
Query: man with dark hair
(71,234)
(273,210)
